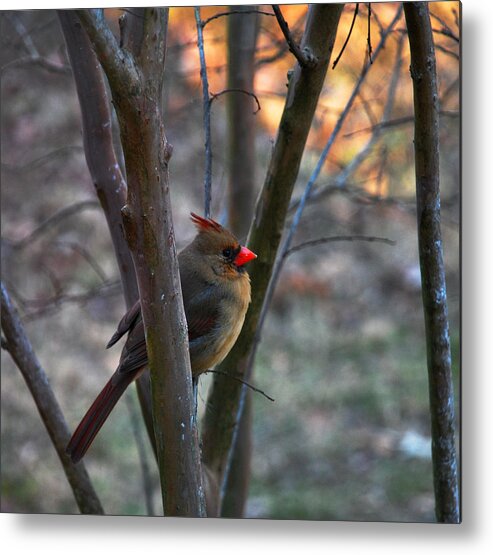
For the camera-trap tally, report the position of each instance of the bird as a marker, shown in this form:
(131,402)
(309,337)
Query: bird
(216,295)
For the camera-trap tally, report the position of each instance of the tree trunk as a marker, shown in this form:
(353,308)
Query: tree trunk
(225,402)
(135,76)
(242,40)
(104,165)
(426,146)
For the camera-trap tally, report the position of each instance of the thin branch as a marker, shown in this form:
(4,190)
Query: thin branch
(338,238)
(341,179)
(207,115)
(54,220)
(380,25)
(41,160)
(281,52)
(445,30)
(86,255)
(253,95)
(336,61)
(447,51)
(231,12)
(368,39)
(370,114)
(389,104)
(16,342)
(36,61)
(50,305)
(244,382)
(404,120)
(305,59)
(335,132)
(34,57)
(22,33)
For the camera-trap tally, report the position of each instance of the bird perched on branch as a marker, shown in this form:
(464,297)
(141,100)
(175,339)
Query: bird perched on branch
(216,295)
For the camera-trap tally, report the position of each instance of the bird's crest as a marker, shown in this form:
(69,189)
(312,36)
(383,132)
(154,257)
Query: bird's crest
(205,224)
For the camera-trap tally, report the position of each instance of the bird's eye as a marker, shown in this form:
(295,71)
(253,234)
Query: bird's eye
(227,252)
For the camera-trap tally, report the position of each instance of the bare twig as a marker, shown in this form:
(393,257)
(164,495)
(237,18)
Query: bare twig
(341,179)
(397,122)
(305,58)
(41,160)
(86,255)
(36,61)
(22,33)
(336,61)
(52,221)
(358,159)
(50,305)
(253,95)
(445,30)
(447,51)
(34,58)
(207,115)
(335,133)
(336,239)
(16,342)
(368,39)
(231,12)
(244,382)
(280,45)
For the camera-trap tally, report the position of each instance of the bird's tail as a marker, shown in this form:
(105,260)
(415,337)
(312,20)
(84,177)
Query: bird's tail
(96,415)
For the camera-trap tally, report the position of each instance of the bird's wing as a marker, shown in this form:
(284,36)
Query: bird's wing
(134,353)
(201,308)
(126,323)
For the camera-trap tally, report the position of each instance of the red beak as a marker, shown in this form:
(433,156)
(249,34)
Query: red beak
(244,256)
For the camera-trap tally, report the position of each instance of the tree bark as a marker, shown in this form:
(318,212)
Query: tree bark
(104,165)
(242,39)
(136,77)
(225,401)
(21,351)
(426,146)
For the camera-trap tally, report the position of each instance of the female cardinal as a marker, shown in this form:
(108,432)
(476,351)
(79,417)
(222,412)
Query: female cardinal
(216,295)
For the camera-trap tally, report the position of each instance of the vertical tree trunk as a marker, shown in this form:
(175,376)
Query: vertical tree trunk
(104,165)
(242,39)
(135,76)
(225,402)
(426,145)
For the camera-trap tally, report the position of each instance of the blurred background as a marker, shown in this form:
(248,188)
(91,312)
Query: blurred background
(342,351)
